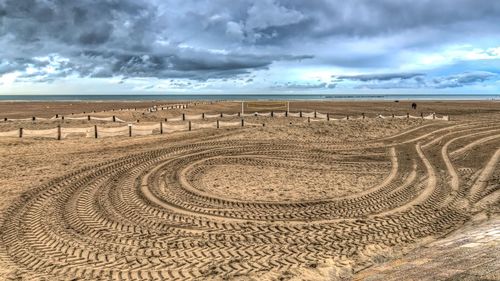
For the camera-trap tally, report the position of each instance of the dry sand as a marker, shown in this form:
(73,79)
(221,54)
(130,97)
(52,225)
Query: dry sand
(287,201)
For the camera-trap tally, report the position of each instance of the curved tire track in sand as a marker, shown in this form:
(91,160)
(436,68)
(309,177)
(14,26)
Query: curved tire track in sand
(139,218)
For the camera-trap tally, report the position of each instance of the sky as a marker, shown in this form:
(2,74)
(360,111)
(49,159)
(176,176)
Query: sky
(249,47)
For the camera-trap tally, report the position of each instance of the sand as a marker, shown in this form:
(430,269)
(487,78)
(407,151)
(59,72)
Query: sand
(291,200)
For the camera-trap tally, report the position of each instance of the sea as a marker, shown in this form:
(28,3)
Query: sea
(240,97)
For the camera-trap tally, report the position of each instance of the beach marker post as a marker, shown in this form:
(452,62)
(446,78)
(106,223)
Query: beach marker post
(5,119)
(20,132)
(189,125)
(221,114)
(347,117)
(328,117)
(422,115)
(114,118)
(286,113)
(129,130)
(393,116)
(203,115)
(308,119)
(300,114)
(217,124)
(183,117)
(88,117)
(272,113)
(315,114)
(161,128)
(95,131)
(33,118)
(242,122)
(58,132)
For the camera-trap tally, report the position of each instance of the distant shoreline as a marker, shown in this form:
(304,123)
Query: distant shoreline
(228,97)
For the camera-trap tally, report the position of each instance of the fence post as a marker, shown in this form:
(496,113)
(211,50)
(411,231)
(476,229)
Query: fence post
(20,132)
(422,115)
(33,118)
(95,131)
(5,119)
(347,117)
(130,130)
(62,118)
(166,119)
(315,114)
(407,115)
(114,118)
(88,117)
(221,114)
(57,115)
(239,114)
(363,115)
(217,124)
(203,115)
(161,128)
(328,117)
(308,119)
(300,113)
(242,122)
(286,113)
(393,115)
(190,125)
(433,115)
(272,113)
(58,132)
(183,117)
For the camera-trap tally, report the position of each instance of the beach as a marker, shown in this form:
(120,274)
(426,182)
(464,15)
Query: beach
(307,189)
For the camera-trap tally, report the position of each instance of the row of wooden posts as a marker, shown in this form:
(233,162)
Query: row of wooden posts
(222,115)
(96,134)
(203,116)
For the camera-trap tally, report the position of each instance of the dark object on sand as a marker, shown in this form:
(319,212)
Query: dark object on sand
(414,106)
(396,101)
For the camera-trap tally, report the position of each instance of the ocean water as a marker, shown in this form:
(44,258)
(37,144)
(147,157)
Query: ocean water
(191,97)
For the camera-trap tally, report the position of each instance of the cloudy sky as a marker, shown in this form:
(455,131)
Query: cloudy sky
(243,46)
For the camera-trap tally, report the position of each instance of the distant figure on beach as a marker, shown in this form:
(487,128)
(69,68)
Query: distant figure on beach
(414,105)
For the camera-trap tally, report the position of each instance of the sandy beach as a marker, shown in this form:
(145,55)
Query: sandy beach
(294,198)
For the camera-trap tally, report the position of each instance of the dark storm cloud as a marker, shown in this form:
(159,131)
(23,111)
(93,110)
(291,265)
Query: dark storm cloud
(394,81)
(378,77)
(226,39)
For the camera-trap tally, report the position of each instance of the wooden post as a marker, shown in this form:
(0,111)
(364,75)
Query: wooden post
(300,113)
(88,117)
(161,128)
(166,119)
(58,132)
(272,113)
(308,119)
(114,118)
(5,119)
(183,117)
(286,113)
(95,131)
(190,125)
(20,132)
(393,115)
(239,114)
(363,115)
(315,114)
(130,130)
(422,115)
(203,115)
(328,117)
(217,124)
(221,115)
(57,115)
(242,122)
(62,117)
(33,118)
(347,117)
